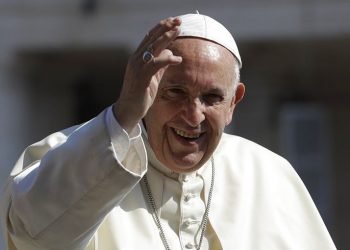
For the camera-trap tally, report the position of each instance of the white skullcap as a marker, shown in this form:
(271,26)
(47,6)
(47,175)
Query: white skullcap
(198,25)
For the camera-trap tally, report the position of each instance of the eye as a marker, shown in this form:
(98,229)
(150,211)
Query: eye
(174,93)
(212,99)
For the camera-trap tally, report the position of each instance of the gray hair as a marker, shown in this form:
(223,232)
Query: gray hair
(236,74)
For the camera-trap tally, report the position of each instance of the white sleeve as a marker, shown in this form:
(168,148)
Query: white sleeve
(66,189)
(121,140)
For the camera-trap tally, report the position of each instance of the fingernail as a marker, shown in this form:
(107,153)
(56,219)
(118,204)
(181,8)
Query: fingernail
(177,20)
(178,59)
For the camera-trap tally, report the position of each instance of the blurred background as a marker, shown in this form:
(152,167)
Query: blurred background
(62,62)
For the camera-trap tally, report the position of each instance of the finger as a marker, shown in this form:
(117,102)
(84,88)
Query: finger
(161,28)
(164,41)
(164,26)
(164,59)
(155,49)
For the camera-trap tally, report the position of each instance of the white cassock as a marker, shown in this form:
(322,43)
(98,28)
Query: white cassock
(80,189)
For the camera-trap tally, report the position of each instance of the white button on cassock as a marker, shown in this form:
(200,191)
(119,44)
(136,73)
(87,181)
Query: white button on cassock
(188,197)
(186,178)
(189,222)
(189,246)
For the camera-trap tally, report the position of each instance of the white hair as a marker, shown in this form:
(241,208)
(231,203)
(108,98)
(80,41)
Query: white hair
(236,75)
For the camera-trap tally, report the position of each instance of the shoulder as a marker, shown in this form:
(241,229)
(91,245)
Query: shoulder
(254,168)
(85,134)
(233,145)
(36,151)
(244,156)
(263,186)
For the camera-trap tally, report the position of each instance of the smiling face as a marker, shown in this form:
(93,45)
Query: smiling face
(194,103)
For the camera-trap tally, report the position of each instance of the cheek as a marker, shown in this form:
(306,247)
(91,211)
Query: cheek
(164,111)
(157,111)
(228,117)
(158,116)
(218,119)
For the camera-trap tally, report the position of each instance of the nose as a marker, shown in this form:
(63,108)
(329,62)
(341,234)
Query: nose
(193,112)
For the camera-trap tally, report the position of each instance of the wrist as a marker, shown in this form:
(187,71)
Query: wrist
(123,118)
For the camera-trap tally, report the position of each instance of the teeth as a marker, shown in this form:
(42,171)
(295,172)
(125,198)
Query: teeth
(184,134)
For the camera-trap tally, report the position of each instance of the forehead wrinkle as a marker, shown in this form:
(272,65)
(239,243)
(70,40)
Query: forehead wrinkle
(197,54)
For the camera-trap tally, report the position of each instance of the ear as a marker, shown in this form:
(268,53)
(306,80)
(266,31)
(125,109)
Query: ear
(236,98)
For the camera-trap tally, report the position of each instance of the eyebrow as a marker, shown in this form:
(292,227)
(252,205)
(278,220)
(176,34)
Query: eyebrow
(183,85)
(176,83)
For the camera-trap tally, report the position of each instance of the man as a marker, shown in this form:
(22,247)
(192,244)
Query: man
(183,183)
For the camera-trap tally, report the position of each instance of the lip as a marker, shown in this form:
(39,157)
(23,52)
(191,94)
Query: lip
(187,135)
(187,141)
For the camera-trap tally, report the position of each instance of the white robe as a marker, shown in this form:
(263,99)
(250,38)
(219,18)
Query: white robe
(79,189)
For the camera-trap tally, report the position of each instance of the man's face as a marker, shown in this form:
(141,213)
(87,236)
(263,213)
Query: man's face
(194,103)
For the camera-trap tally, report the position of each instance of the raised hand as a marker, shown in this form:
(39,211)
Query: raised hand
(144,72)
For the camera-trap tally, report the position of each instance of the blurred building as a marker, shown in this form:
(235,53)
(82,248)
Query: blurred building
(62,62)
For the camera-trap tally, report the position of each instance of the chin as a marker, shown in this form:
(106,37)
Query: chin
(185,165)
(181,169)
